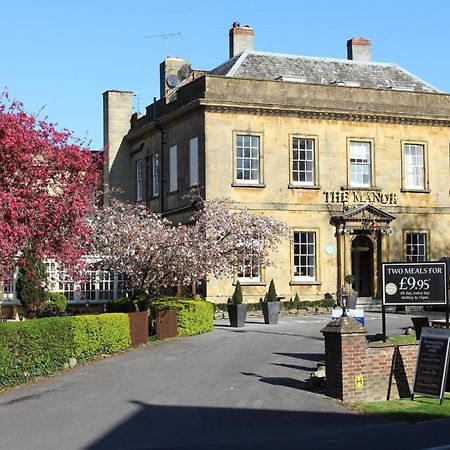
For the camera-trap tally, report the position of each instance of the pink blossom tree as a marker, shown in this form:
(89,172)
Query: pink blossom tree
(47,188)
(154,254)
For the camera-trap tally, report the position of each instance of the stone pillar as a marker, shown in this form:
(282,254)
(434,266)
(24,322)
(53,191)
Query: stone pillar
(345,350)
(340,268)
(347,243)
(375,264)
(385,248)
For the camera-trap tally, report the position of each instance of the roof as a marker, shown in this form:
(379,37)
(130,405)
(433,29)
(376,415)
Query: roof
(310,70)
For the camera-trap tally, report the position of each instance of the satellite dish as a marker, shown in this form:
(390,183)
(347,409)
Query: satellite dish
(184,72)
(172,81)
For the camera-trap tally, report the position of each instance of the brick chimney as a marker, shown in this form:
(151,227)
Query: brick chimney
(359,49)
(241,39)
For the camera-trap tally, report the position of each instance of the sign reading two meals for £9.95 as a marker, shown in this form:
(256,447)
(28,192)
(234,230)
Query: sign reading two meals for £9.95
(415,283)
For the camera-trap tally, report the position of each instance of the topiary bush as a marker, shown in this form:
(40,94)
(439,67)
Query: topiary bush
(271,295)
(296,303)
(56,301)
(237,297)
(193,316)
(33,348)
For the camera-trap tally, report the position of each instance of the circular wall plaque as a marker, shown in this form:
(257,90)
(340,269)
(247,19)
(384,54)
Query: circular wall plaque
(329,249)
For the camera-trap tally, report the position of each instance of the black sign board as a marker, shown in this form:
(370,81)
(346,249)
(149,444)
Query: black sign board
(417,283)
(432,363)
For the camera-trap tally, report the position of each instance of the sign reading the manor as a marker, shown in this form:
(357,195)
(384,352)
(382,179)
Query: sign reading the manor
(416,283)
(432,362)
(385,198)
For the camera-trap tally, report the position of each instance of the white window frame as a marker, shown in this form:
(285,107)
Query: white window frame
(248,158)
(305,165)
(360,165)
(193,161)
(139,181)
(173,168)
(414,166)
(305,256)
(416,246)
(99,286)
(250,269)
(155,175)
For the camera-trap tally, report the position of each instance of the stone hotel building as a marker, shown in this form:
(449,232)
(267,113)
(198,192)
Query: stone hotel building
(353,155)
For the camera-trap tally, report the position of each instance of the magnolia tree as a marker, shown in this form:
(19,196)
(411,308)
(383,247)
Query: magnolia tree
(47,186)
(154,254)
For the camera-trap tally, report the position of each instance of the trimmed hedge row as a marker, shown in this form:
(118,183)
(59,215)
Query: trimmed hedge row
(126,305)
(194,316)
(291,304)
(42,347)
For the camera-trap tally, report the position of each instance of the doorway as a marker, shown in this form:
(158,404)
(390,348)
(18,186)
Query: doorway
(362,265)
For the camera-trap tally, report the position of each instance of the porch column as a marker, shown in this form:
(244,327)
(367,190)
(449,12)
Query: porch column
(340,245)
(347,253)
(376,245)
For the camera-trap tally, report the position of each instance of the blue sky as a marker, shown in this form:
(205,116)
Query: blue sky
(63,55)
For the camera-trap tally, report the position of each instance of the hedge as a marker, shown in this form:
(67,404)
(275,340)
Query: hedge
(291,304)
(100,334)
(194,316)
(126,305)
(41,347)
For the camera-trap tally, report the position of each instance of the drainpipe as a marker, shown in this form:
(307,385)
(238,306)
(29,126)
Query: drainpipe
(147,181)
(161,157)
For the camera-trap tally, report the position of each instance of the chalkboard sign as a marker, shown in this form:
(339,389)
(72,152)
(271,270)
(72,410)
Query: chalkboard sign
(432,363)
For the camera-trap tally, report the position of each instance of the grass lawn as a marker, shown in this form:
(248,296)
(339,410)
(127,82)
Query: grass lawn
(417,410)
(403,339)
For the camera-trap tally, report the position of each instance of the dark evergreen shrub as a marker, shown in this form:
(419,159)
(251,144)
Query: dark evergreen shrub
(237,297)
(56,301)
(271,295)
(30,283)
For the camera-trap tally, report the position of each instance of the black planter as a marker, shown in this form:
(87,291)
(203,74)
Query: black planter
(271,310)
(237,314)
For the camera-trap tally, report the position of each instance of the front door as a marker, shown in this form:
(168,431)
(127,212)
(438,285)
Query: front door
(362,265)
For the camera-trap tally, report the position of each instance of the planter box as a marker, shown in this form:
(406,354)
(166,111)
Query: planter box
(237,314)
(271,311)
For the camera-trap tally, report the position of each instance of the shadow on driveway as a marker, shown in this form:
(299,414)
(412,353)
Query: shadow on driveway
(200,428)
(161,427)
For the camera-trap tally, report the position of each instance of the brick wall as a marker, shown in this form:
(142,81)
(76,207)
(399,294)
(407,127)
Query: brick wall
(358,371)
(379,373)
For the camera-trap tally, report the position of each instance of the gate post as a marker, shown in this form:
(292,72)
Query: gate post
(345,349)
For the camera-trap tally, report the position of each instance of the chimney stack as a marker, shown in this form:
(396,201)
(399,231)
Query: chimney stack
(241,39)
(359,49)
(172,71)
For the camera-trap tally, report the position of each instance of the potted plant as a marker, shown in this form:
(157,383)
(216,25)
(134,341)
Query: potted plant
(271,305)
(237,310)
(353,295)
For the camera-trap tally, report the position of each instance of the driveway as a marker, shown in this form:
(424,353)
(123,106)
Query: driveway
(232,388)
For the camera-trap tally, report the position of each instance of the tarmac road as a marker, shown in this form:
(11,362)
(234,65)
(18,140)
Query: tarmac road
(229,389)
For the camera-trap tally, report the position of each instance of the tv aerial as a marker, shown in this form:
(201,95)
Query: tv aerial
(165,37)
